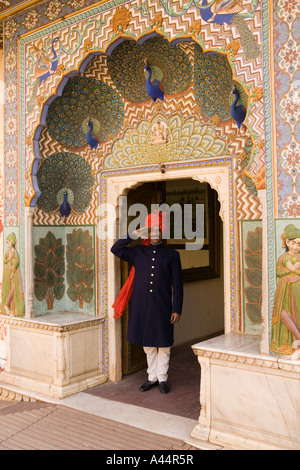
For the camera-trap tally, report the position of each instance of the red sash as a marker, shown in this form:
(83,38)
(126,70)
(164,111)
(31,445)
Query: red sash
(125,293)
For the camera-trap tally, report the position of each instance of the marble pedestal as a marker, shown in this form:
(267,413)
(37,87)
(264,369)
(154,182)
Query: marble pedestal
(248,400)
(54,355)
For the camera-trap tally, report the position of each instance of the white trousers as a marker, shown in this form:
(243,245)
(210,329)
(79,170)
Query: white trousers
(158,360)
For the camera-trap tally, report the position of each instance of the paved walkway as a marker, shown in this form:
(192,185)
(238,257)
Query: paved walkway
(51,426)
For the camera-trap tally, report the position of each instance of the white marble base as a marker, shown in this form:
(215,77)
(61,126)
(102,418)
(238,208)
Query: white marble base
(248,400)
(55,355)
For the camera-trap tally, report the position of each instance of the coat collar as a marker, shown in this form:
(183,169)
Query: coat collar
(158,245)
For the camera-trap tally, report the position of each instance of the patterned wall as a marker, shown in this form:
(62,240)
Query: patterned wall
(191,39)
(287,107)
(221,49)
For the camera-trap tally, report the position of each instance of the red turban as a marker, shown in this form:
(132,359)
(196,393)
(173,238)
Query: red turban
(158,219)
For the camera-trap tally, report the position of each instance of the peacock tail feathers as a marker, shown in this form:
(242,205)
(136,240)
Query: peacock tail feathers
(126,67)
(84,98)
(64,172)
(212,83)
(248,40)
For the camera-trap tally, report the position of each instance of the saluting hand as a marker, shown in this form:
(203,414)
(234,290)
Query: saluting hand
(141,233)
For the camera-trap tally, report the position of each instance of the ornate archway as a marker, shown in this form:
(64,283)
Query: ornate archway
(218,174)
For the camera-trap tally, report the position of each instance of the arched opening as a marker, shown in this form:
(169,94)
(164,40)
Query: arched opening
(132,92)
(210,167)
(203,308)
(218,176)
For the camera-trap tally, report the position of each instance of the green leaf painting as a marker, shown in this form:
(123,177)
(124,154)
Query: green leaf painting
(253,273)
(80,266)
(49,269)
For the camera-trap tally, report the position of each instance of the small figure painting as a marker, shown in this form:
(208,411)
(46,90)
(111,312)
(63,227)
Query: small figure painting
(286,314)
(12,291)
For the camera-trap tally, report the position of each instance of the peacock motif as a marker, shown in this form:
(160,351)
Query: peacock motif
(85,100)
(213,84)
(154,86)
(91,140)
(65,207)
(229,12)
(65,181)
(238,112)
(169,64)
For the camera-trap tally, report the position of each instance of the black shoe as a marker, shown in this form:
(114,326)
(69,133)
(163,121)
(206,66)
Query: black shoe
(147,386)
(164,387)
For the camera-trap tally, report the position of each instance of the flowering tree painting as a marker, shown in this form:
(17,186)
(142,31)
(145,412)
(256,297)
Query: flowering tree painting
(49,269)
(80,267)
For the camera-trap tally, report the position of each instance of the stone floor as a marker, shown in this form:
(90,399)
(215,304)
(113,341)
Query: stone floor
(47,426)
(184,382)
(112,416)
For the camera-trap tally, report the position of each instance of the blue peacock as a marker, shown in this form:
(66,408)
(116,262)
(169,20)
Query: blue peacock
(65,207)
(213,85)
(90,137)
(65,181)
(167,71)
(88,112)
(238,112)
(154,86)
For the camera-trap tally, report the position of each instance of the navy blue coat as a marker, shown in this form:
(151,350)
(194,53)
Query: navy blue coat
(152,301)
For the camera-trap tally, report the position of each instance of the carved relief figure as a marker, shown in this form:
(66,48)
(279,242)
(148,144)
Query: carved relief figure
(159,133)
(12,292)
(286,313)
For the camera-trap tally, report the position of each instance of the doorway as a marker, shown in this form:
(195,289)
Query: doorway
(218,173)
(203,310)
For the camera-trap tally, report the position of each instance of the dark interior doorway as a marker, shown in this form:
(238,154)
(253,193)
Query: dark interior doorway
(204,265)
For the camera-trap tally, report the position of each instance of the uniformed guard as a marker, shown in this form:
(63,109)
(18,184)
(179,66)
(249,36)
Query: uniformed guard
(154,306)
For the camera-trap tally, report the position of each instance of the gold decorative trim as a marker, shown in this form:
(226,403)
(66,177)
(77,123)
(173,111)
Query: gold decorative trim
(17,8)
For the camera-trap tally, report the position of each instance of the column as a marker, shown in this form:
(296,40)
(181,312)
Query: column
(2,97)
(264,345)
(29,278)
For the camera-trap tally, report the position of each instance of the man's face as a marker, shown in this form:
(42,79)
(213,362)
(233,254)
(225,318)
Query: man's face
(154,235)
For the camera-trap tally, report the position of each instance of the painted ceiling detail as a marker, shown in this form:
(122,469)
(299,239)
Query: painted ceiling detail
(64,172)
(83,99)
(187,140)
